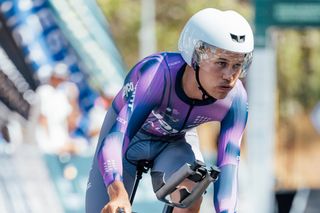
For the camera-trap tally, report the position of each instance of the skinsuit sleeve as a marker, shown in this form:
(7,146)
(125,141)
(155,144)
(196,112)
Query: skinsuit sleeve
(142,91)
(232,127)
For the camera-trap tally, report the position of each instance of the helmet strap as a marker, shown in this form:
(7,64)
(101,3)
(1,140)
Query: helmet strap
(205,94)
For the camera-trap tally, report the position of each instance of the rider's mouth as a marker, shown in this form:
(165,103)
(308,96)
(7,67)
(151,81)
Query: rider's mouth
(225,87)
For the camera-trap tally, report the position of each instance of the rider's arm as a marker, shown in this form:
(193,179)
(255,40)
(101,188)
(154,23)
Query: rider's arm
(142,91)
(232,127)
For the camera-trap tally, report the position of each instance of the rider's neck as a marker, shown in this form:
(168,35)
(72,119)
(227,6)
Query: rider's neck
(190,85)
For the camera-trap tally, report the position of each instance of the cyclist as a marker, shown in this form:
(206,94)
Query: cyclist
(164,96)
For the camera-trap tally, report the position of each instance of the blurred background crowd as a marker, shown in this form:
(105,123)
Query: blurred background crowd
(63,61)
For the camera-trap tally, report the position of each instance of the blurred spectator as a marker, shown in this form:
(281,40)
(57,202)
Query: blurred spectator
(97,114)
(4,137)
(5,133)
(76,120)
(59,114)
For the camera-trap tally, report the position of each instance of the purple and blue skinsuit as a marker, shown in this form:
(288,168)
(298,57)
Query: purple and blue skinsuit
(152,101)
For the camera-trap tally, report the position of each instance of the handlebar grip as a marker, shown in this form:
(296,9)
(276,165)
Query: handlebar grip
(121,210)
(214,172)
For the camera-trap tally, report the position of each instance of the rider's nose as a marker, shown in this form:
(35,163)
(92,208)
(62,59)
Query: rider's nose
(228,74)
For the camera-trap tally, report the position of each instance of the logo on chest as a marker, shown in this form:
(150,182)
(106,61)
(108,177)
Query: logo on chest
(163,121)
(198,120)
(201,119)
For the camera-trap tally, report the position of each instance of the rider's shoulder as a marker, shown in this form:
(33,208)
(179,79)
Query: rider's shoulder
(160,61)
(163,56)
(154,60)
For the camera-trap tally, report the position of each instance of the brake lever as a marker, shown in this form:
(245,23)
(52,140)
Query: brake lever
(121,210)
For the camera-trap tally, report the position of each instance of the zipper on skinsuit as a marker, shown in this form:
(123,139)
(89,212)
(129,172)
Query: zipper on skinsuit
(188,114)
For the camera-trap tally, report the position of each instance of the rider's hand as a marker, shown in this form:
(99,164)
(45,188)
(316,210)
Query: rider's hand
(118,198)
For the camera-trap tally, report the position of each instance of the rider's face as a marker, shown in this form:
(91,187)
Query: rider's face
(220,71)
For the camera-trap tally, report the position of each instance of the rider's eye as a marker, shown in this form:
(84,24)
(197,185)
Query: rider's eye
(237,66)
(221,63)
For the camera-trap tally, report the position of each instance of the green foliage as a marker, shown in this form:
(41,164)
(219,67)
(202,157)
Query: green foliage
(298,66)
(124,20)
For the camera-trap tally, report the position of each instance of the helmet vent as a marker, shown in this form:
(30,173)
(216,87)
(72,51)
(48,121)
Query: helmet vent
(238,38)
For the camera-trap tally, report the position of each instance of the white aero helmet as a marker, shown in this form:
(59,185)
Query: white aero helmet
(226,30)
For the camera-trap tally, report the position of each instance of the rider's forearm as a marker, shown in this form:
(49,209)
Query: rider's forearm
(225,190)
(117,190)
(110,161)
(109,158)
